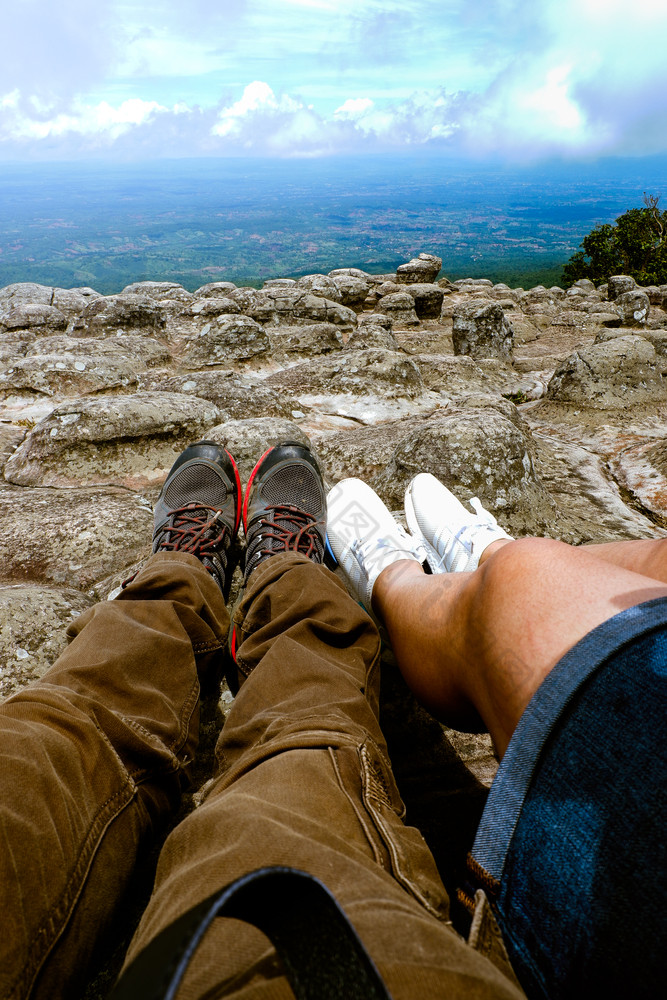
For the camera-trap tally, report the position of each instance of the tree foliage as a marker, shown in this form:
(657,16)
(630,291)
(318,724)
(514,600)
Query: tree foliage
(635,244)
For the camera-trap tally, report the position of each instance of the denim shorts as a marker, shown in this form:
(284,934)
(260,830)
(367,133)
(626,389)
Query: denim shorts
(572,845)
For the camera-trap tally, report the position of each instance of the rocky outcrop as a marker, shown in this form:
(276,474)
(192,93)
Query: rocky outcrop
(620,374)
(549,404)
(427,300)
(304,341)
(32,315)
(102,391)
(224,340)
(117,315)
(424,268)
(358,372)
(235,395)
(400,307)
(33,620)
(618,285)
(72,538)
(292,305)
(69,374)
(129,441)
(633,308)
(482,331)
(487,453)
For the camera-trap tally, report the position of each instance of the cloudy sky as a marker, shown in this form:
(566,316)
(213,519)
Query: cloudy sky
(516,79)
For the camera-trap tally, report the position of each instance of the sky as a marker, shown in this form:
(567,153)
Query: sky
(515,80)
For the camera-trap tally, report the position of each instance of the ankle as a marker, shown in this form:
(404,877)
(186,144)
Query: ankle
(391,582)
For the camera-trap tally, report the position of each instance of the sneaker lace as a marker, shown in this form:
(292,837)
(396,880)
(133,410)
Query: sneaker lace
(293,529)
(376,552)
(195,528)
(466,536)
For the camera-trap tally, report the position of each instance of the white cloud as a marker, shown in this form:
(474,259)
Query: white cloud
(263,122)
(354,107)
(554,102)
(512,78)
(258,100)
(92,120)
(10,100)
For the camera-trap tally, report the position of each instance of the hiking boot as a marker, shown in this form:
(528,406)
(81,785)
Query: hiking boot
(285,508)
(199,508)
(453,537)
(364,537)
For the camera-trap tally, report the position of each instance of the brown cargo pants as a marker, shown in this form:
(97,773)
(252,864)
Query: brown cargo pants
(94,756)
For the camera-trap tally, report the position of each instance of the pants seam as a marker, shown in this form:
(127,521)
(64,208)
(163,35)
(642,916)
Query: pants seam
(379,860)
(375,801)
(206,647)
(56,920)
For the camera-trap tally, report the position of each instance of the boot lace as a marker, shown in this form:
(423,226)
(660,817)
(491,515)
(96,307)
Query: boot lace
(194,528)
(289,529)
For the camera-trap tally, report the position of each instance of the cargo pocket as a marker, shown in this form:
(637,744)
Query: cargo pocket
(366,778)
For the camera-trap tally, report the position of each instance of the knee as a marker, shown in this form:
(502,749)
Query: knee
(527,555)
(518,567)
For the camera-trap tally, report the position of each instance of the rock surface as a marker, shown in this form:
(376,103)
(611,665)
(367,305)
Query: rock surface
(482,331)
(424,268)
(129,441)
(385,374)
(548,404)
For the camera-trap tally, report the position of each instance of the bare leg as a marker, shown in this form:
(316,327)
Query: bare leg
(645,556)
(474,647)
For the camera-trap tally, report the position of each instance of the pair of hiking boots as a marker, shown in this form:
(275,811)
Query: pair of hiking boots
(285,508)
(202,504)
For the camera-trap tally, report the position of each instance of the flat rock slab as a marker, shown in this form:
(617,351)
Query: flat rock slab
(11,437)
(129,441)
(357,372)
(66,375)
(31,316)
(436,338)
(642,471)
(295,306)
(15,345)
(109,315)
(591,506)
(304,341)
(617,374)
(237,396)
(656,337)
(214,306)
(73,537)
(142,352)
(33,621)
(365,386)
(70,301)
(169,291)
(458,376)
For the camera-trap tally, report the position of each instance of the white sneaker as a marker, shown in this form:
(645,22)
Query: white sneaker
(364,537)
(454,538)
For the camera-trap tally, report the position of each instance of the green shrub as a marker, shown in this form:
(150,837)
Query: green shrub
(635,244)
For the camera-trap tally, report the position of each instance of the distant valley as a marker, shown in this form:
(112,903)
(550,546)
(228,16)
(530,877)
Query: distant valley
(195,221)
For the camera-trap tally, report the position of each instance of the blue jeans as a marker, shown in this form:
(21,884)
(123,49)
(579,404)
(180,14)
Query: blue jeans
(572,845)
